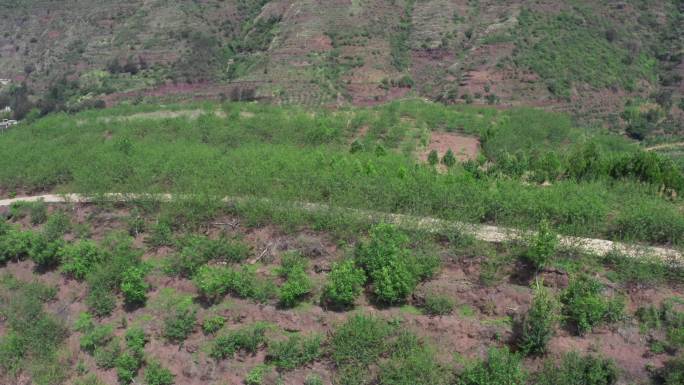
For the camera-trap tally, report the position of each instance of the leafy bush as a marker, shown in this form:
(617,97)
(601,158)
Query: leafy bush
(359,341)
(135,340)
(106,356)
(37,211)
(16,244)
(585,305)
(249,338)
(180,322)
(133,285)
(542,246)
(100,299)
(213,324)
(412,362)
(294,352)
(127,366)
(538,325)
(44,252)
(297,282)
(256,375)
(345,283)
(56,226)
(156,374)
(669,317)
(96,336)
(501,367)
(215,281)
(390,265)
(449,159)
(313,379)
(198,250)
(79,258)
(433,157)
(160,235)
(438,305)
(672,373)
(574,369)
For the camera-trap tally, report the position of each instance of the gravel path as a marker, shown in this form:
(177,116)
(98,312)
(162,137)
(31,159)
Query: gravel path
(484,233)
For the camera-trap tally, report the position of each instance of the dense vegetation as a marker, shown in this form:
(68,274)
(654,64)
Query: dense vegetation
(600,185)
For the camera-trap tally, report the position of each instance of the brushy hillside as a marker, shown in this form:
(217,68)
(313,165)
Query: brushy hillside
(534,165)
(585,57)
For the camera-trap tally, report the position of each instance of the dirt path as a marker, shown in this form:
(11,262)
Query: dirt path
(665,146)
(486,233)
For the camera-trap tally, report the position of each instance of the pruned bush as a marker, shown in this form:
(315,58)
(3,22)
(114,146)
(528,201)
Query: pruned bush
(294,352)
(249,339)
(538,325)
(156,374)
(585,305)
(78,259)
(438,305)
(345,283)
(500,367)
(575,369)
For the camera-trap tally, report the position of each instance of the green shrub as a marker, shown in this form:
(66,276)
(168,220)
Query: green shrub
(100,300)
(542,246)
(78,259)
(669,317)
(449,159)
(213,324)
(345,283)
(198,250)
(106,356)
(44,252)
(412,362)
(538,325)
(156,374)
(501,367)
(213,282)
(56,226)
(160,235)
(389,264)
(294,352)
(433,157)
(127,366)
(574,369)
(179,323)
(585,305)
(37,211)
(438,305)
(135,339)
(359,341)
(16,244)
(96,336)
(256,375)
(249,338)
(133,285)
(313,379)
(672,373)
(297,282)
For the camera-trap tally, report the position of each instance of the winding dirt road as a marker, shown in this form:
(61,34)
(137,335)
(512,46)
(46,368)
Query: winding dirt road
(486,233)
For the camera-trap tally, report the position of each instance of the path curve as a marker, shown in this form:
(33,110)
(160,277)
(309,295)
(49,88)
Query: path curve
(665,146)
(486,233)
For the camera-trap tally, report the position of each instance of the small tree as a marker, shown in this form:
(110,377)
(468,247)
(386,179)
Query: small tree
(542,246)
(133,285)
(433,157)
(538,325)
(345,283)
(449,159)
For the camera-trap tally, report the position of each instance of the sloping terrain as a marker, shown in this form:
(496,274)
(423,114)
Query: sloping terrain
(585,57)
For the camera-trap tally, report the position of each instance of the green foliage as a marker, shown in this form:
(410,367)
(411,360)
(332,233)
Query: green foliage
(412,362)
(345,283)
(449,159)
(133,285)
(180,322)
(501,367)
(249,338)
(78,259)
(575,369)
(16,244)
(156,374)
(399,40)
(198,250)
(213,324)
(542,246)
(127,366)
(45,253)
(135,339)
(215,281)
(160,235)
(433,157)
(256,375)
(294,352)
(359,341)
(669,317)
(438,305)
(313,379)
(96,336)
(37,211)
(585,305)
(538,325)
(106,356)
(297,282)
(672,373)
(32,337)
(56,226)
(100,299)
(393,270)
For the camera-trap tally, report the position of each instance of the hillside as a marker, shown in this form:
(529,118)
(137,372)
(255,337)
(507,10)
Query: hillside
(592,59)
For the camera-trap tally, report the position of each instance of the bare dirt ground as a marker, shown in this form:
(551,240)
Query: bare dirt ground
(464,147)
